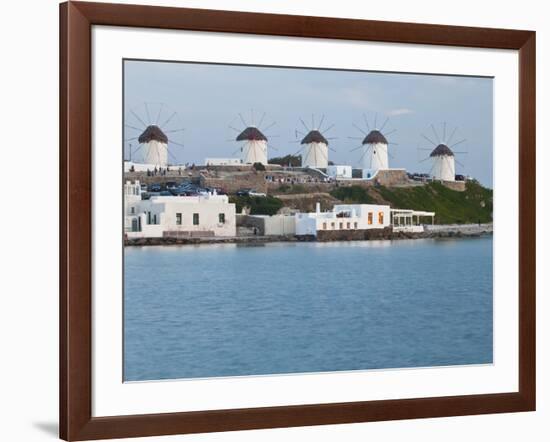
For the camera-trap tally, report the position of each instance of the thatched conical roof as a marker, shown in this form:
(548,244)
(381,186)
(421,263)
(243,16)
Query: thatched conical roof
(314,136)
(251,134)
(153,133)
(375,137)
(442,150)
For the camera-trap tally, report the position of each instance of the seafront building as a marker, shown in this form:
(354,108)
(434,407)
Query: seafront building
(362,217)
(207,215)
(343,217)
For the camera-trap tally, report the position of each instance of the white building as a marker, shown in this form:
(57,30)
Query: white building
(254,149)
(223,161)
(177,216)
(375,153)
(443,163)
(155,146)
(339,172)
(343,217)
(315,150)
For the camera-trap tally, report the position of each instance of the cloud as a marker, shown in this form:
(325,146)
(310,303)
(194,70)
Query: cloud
(399,111)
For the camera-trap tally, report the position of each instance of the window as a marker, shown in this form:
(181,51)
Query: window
(332,225)
(178,219)
(348,225)
(324,226)
(341,225)
(380,217)
(221,218)
(369,218)
(132,210)
(355,225)
(195,219)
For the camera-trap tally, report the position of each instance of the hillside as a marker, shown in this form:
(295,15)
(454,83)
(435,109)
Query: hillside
(473,205)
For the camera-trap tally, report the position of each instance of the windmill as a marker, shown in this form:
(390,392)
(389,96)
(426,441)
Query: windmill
(156,128)
(442,156)
(254,143)
(374,146)
(314,143)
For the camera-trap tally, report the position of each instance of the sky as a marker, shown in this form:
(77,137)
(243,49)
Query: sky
(195,104)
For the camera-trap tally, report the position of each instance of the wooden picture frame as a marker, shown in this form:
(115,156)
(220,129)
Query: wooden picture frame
(76,21)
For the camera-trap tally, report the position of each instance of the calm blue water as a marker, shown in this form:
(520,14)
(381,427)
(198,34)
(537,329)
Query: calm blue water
(226,310)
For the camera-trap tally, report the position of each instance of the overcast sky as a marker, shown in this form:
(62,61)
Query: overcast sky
(208,98)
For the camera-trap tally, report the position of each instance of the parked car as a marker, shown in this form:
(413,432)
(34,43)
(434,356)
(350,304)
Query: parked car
(460,178)
(243,192)
(154,188)
(254,193)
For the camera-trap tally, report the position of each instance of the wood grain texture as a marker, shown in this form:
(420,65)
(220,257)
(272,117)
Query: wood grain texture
(76,421)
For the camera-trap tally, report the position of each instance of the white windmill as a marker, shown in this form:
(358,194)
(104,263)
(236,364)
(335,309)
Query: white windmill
(442,156)
(374,146)
(314,144)
(254,142)
(151,134)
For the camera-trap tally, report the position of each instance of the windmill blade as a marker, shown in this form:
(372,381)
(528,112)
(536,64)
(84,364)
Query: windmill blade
(444,130)
(459,162)
(355,138)
(297,152)
(375,118)
(393,144)
(261,120)
(361,157)
(270,126)
(357,127)
(137,118)
(425,159)
(382,128)
(138,148)
(168,120)
(435,133)
(236,130)
(459,142)
(177,144)
(304,124)
(313,121)
(158,115)
(272,136)
(452,135)
(135,128)
(359,147)
(427,139)
(131,139)
(321,122)
(148,115)
(172,155)
(174,130)
(240,149)
(424,148)
(242,119)
(273,147)
(460,153)
(366,122)
(296,132)
(331,148)
(390,132)
(328,128)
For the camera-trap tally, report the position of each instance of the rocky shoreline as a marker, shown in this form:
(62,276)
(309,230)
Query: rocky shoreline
(436,231)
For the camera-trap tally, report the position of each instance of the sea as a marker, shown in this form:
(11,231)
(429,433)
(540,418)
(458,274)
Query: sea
(221,310)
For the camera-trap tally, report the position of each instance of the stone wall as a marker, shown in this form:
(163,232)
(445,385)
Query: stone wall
(354,235)
(459,186)
(252,180)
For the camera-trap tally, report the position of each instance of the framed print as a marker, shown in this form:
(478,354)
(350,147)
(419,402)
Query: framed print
(273,220)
